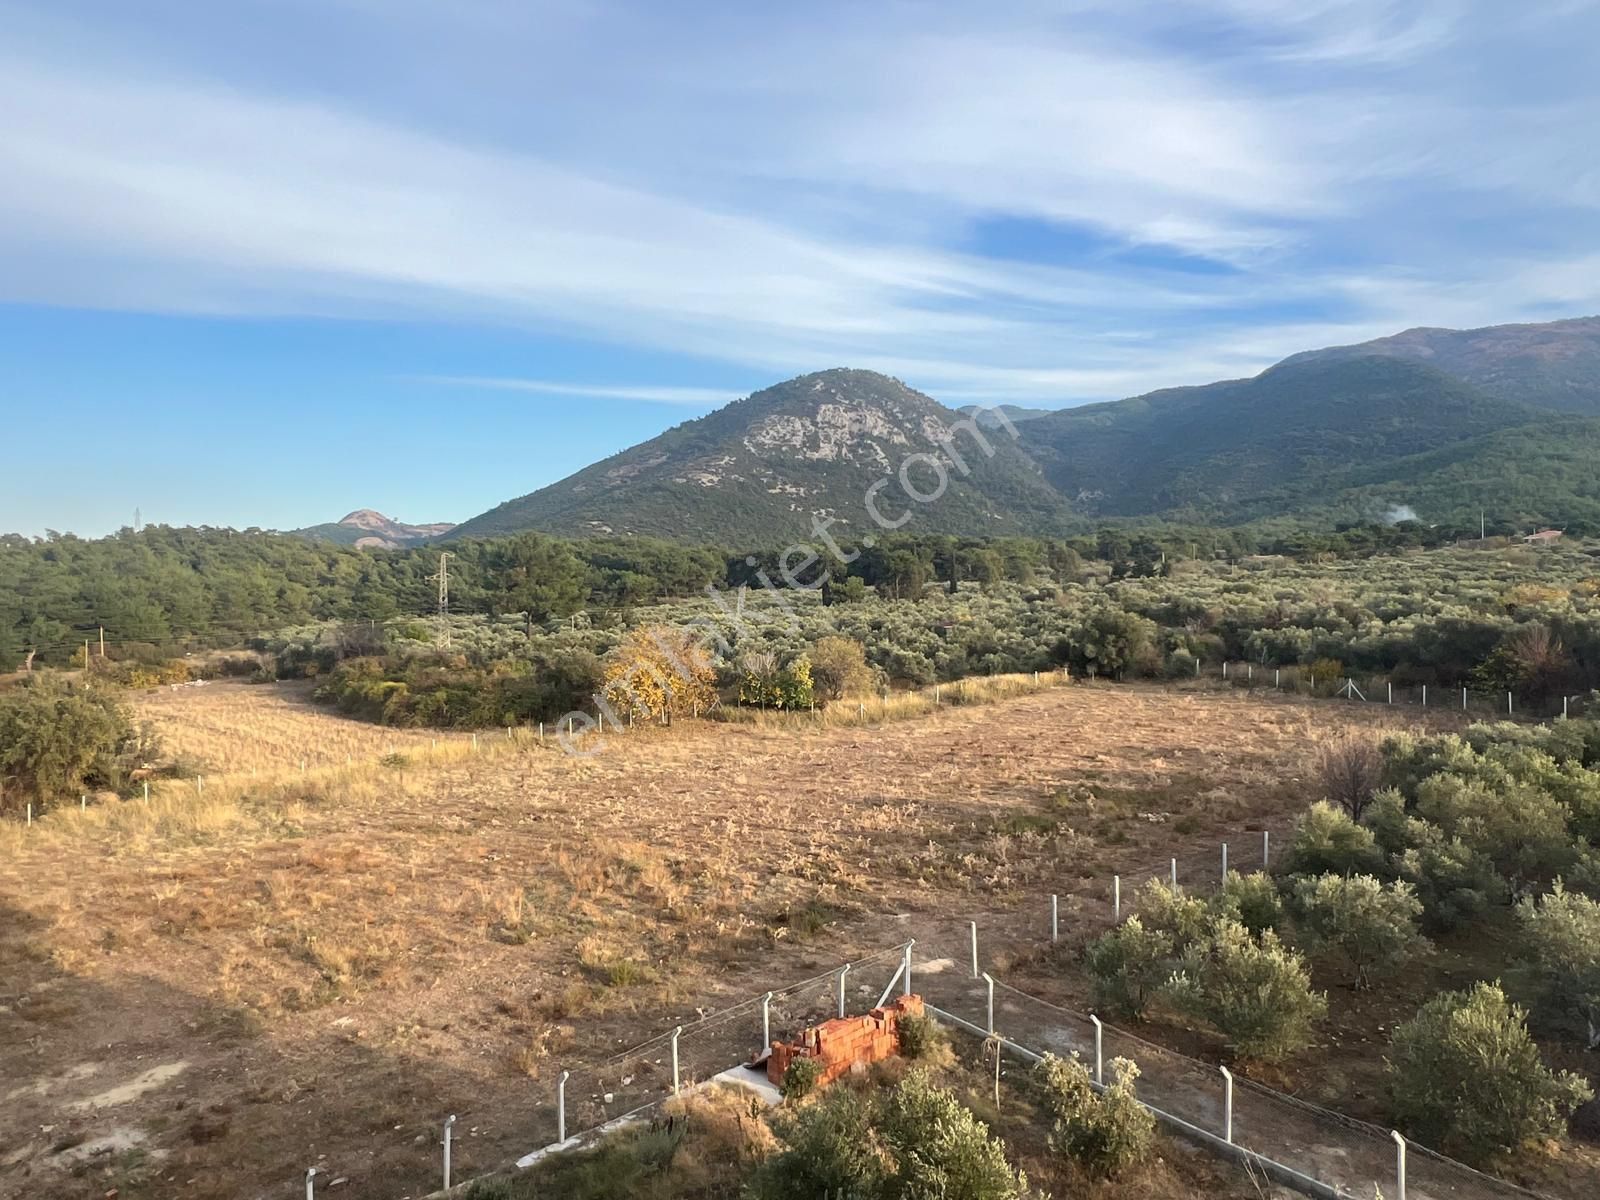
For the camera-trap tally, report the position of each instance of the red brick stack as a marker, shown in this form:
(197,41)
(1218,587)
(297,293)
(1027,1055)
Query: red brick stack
(842,1043)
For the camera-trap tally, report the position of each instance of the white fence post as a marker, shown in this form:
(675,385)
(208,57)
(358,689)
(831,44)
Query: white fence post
(1463,699)
(1224,862)
(449,1126)
(1424,695)
(1055,918)
(1266,849)
(1391,691)
(1399,1164)
(675,1081)
(147,791)
(843,971)
(1508,704)
(766,1021)
(1116,898)
(1174,874)
(561,1107)
(1227,1105)
(974,929)
(906,981)
(30,812)
(987,979)
(311,1188)
(1099,1050)
(1276,674)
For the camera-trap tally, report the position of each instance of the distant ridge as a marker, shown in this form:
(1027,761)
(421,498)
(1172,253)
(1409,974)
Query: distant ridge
(369,528)
(1438,422)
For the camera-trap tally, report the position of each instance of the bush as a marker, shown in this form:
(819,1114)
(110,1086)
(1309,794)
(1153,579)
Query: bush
(1252,900)
(1371,925)
(839,668)
(1464,1075)
(1327,840)
(1104,1134)
(915,1141)
(1518,827)
(800,1078)
(1561,966)
(828,1150)
(939,1149)
(1129,966)
(921,1037)
(1257,994)
(58,740)
(1169,910)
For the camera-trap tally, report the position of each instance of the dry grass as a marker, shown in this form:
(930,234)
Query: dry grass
(237,728)
(343,956)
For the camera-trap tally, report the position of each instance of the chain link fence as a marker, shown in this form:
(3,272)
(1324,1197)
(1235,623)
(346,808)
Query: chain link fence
(589,1096)
(1343,1154)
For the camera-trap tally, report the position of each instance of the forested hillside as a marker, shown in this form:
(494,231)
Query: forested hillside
(180,589)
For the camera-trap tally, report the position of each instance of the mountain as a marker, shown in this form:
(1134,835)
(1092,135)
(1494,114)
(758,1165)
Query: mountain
(1285,441)
(1551,365)
(365,527)
(758,471)
(1443,422)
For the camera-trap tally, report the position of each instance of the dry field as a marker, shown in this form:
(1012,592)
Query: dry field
(222,728)
(315,968)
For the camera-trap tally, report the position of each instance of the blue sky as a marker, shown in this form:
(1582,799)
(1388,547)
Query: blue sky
(266,261)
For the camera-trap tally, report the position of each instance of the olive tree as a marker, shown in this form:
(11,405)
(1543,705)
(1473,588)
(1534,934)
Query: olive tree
(1371,925)
(1105,1133)
(1256,992)
(1561,964)
(1464,1075)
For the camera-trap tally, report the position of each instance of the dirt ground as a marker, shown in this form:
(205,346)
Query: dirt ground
(318,980)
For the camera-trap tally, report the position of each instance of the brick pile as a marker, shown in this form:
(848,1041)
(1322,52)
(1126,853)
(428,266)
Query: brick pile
(843,1044)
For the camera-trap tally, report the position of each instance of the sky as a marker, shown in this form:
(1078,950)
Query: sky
(268,261)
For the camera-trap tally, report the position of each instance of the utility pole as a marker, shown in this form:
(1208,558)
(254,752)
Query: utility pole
(443,580)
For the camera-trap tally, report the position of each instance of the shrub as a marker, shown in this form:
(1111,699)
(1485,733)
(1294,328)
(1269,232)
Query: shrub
(839,668)
(1561,966)
(1256,993)
(921,1037)
(58,740)
(1252,900)
(800,1078)
(661,671)
(1327,840)
(1169,910)
(1519,827)
(1351,770)
(916,1141)
(829,1150)
(1464,1075)
(939,1149)
(1129,966)
(1104,1134)
(1371,925)
(1454,882)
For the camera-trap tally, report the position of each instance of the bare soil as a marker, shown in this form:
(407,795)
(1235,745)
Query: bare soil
(208,1018)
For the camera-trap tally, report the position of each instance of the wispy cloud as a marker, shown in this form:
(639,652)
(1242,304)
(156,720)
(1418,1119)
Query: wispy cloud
(1027,205)
(693,396)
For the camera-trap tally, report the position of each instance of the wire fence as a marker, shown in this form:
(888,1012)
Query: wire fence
(587,1097)
(1370,688)
(1343,1153)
